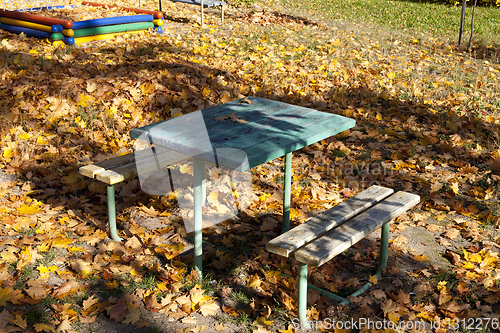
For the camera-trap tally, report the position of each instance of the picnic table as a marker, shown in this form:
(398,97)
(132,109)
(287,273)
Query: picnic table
(240,135)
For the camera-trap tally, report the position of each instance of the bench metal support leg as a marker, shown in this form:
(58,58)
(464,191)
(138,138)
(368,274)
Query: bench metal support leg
(112,214)
(287,192)
(199,174)
(384,251)
(302,293)
(202,19)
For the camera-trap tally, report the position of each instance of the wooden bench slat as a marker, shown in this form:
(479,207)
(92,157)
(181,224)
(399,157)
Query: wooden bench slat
(92,169)
(335,216)
(341,238)
(147,162)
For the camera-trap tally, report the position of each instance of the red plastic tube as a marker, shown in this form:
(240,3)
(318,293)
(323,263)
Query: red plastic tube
(156,15)
(36,18)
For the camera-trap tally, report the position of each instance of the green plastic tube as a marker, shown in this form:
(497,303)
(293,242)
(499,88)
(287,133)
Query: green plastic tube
(109,29)
(57,36)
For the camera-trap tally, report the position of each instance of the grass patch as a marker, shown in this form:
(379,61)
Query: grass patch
(424,17)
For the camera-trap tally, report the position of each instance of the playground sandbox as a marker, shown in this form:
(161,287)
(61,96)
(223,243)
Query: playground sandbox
(77,24)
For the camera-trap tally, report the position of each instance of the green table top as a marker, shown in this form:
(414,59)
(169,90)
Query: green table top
(261,131)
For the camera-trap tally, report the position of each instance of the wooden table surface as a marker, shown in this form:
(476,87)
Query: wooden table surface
(259,129)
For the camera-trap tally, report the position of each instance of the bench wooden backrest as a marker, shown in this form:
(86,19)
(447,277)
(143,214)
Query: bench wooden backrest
(341,238)
(293,239)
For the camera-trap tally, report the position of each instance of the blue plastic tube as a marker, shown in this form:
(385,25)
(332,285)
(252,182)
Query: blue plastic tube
(27,32)
(45,8)
(112,20)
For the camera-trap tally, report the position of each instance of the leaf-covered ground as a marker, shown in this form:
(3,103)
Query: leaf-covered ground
(427,123)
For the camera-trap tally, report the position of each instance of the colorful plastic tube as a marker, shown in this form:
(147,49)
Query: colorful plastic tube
(45,8)
(158,22)
(157,15)
(57,36)
(81,40)
(36,18)
(111,20)
(26,31)
(65,40)
(31,25)
(69,40)
(109,29)
(68,32)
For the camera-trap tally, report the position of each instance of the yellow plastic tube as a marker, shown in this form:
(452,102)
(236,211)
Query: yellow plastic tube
(68,32)
(81,40)
(26,24)
(158,22)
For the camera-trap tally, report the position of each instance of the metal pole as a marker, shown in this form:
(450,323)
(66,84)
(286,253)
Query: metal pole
(287,192)
(303,293)
(199,173)
(112,214)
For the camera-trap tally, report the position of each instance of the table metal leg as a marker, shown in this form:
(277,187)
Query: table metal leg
(287,192)
(199,173)
(302,293)
(112,214)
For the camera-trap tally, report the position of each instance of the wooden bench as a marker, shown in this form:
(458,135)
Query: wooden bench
(323,237)
(203,4)
(122,168)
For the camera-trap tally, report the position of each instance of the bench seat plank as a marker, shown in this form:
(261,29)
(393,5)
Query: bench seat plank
(341,238)
(124,167)
(335,216)
(92,169)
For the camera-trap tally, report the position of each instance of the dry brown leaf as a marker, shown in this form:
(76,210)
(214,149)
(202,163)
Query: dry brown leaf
(452,233)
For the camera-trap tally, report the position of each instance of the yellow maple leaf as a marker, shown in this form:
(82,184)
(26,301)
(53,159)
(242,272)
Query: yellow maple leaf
(43,327)
(263,321)
(254,281)
(62,242)
(44,247)
(42,140)
(185,168)
(19,321)
(44,272)
(288,330)
(423,257)
(9,255)
(5,295)
(8,152)
(393,316)
(468,265)
(83,100)
(25,209)
(373,279)
(28,255)
(209,308)
(206,91)
(75,249)
(25,136)
(474,257)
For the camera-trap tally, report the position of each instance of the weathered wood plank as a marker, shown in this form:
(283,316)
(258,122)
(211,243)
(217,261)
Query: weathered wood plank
(114,170)
(261,106)
(269,148)
(272,129)
(318,225)
(341,238)
(92,169)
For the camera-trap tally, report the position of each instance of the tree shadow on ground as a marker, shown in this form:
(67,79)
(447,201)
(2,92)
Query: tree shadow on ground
(181,85)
